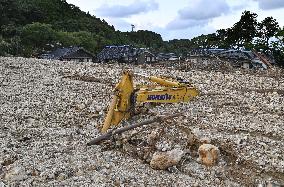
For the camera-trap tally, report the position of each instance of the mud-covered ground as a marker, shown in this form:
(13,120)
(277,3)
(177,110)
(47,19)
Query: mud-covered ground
(49,110)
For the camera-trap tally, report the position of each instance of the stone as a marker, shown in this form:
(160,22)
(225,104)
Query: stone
(163,146)
(205,140)
(80,107)
(61,177)
(164,160)
(152,138)
(17,173)
(2,184)
(208,154)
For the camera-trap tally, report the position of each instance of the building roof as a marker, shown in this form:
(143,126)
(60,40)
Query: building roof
(166,56)
(63,52)
(118,52)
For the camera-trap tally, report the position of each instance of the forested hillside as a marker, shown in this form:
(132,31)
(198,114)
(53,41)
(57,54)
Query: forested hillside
(30,27)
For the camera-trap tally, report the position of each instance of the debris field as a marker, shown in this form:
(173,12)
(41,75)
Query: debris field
(50,110)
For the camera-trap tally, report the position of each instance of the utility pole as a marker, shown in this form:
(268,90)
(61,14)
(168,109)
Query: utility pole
(132,27)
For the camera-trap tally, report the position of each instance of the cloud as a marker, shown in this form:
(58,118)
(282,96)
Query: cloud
(119,24)
(179,24)
(239,7)
(204,9)
(122,11)
(270,4)
(188,33)
(199,14)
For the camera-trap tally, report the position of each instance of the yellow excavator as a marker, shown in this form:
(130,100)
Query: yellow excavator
(126,96)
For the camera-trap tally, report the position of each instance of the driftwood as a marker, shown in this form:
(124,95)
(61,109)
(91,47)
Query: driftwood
(109,134)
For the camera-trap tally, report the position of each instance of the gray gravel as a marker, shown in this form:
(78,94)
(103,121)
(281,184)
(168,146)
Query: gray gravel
(51,109)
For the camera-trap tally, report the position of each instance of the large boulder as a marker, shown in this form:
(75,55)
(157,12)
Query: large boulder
(208,154)
(164,160)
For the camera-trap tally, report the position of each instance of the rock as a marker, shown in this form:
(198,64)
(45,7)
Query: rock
(208,154)
(205,140)
(196,185)
(162,161)
(271,184)
(173,169)
(17,173)
(80,107)
(217,181)
(61,177)
(163,146)
(2,184)
(107,166)
(152,138)
(80,172)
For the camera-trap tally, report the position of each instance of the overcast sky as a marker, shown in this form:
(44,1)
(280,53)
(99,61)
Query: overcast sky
(179,18)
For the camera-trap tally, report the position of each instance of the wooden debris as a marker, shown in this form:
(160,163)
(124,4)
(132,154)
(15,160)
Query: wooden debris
(109,134)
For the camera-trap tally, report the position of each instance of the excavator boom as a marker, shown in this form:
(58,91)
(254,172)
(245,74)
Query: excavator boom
(166,95)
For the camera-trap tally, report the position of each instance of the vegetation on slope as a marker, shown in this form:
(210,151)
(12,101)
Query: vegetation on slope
(30,27)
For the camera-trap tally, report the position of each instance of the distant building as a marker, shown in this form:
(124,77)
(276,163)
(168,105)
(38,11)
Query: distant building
(77,54)
(204,52)
(167,57)
(126,54)
(247,65)
(241,58)
(145,57)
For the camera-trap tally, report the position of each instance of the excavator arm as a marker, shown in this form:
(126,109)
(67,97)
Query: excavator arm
(119,108)
(167,91)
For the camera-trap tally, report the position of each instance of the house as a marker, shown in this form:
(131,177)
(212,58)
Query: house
(235,54)
(117,53)
(146,57)
(247,65)
(126,53)
(167,57)
(239,58)
(162,57)
(205,52)
(77,54)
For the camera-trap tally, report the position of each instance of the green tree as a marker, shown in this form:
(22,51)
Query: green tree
(244,30)
(83,39)
(278,47)
(86,40)
(9,30)
(4,46)
(9,12)
(267,29)
(205,41)
(145,38)
(66,39)
(222,35)
(38,37)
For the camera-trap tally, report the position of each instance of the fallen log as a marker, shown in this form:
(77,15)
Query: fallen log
(109,134)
